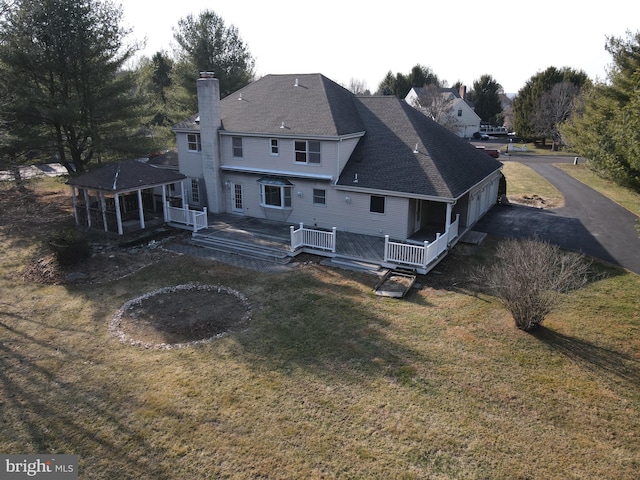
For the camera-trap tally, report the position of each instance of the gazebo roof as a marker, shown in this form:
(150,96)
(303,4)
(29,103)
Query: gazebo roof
(125,176)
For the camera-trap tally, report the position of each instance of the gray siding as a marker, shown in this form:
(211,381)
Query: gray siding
(256,154)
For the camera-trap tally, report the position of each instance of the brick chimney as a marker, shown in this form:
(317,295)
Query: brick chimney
(209,111)
(463,92)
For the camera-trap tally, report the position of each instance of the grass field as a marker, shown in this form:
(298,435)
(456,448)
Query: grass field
(526,186)
(329,381)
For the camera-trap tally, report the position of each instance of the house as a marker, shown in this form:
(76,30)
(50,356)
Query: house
(467,121)
(301,149)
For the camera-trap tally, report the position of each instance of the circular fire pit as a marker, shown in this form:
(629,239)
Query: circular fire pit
(180,316)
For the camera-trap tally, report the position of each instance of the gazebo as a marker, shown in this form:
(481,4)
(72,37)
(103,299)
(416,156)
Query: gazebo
(125,196)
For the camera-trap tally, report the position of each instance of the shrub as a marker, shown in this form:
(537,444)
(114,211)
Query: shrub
(529,276)
(70,246)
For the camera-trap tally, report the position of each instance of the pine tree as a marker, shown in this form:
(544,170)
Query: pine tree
(61,74)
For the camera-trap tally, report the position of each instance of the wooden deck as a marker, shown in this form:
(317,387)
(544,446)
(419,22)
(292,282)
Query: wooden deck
(267,234)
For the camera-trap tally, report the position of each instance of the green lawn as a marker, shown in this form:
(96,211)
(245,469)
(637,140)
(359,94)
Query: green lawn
(329,381)
(526,186)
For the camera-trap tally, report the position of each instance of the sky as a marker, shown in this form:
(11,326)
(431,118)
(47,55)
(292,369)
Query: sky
(458,41)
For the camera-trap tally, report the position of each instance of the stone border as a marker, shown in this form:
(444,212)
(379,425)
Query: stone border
(115,323)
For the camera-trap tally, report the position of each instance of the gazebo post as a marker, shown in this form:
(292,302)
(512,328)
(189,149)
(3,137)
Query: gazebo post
(164,203)
(75,205)
(86,206)
(118,216)
(103,207)
(140,209)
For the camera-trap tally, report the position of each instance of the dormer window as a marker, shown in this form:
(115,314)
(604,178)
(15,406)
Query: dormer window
(193,142)
(307,151)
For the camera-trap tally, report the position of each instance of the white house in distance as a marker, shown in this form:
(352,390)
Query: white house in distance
(468,121)
(302,149)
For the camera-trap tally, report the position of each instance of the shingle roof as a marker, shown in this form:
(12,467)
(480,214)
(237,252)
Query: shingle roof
(307,104)
(445,166)
(125,175)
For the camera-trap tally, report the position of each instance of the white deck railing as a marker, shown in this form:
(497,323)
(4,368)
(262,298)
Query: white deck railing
(420,255)
(185,216)
(309,237)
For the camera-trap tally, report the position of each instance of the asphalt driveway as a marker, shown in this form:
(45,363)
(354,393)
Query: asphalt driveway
(589,222)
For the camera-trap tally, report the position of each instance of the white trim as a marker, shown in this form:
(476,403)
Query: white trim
(277,173)
(299,136)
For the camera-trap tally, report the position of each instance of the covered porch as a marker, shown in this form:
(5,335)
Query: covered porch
(125,197)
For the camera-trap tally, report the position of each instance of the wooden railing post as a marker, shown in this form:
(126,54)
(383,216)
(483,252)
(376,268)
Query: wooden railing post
(386,248)
(292,234)
(425,258)
(334,239)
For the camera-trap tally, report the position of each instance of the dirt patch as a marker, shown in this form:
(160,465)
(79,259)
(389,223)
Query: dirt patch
(106,264)
(535,201)
(180,316)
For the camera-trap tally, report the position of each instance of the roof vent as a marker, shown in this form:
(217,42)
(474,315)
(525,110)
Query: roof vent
(197,120)
(240,97)
(282,125)
(355,178)
(297,84)
(415,150)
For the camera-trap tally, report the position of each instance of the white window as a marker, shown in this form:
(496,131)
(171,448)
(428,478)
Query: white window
(307,151)
(275,148)
(377,204)
(275,192)
(193,142)
(319,196)
(195,191)
(237,146)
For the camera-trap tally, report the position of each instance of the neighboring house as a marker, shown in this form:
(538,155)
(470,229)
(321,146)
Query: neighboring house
(467,121)
(303,149)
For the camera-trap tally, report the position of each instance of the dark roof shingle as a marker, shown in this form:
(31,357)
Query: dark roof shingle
(125,175)
(445,166)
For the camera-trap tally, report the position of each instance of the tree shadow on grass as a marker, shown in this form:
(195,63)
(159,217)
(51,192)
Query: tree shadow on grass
(327,329)
(592,357)
(43,413)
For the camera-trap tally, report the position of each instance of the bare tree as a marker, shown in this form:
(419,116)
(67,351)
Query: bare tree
(552,109)
(358,87)
(529,276)
(436,105)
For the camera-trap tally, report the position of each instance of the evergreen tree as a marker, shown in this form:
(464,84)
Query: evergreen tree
(61,73)
(154,85)
(400,84)
(486,100)
(205,43)
(606,127)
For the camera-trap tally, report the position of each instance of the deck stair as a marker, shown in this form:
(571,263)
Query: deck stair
(355,264)
(396,283)
(256,248)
